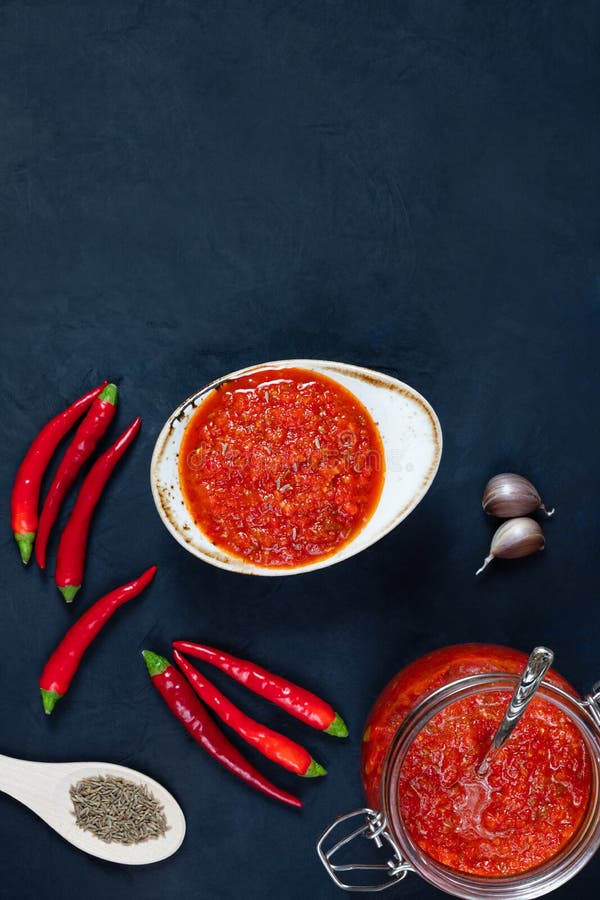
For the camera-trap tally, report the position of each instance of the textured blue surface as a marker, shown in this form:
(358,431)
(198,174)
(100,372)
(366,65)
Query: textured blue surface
(189,187)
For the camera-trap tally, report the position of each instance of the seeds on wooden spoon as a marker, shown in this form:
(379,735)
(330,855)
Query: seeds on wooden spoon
(117,810)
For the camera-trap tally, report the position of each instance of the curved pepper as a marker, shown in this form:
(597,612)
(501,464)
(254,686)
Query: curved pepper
(80,449)
(64,662)
(192,714)
(274,746)
(25,494)
(70,557)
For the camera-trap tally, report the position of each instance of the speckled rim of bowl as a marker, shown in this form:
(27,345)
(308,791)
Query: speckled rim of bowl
(411,437)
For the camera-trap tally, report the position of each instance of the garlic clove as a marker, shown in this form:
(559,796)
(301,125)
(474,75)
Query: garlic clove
(514,539)
(507,495)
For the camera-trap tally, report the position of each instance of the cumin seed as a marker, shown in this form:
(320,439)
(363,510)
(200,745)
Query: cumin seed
(116,810)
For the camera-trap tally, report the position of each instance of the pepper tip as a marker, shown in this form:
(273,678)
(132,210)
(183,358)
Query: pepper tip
(315,770)
(155,664)
(49,700)
(109,394)
(68,591)
(338,727)
(25,544)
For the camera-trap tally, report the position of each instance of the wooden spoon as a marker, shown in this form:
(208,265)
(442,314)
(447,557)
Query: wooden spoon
(44,788)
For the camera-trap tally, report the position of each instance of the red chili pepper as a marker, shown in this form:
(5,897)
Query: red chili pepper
(78,452)
(271,744)
(193,715)
(295,700)
(70,558)
(26,489)
(64,662)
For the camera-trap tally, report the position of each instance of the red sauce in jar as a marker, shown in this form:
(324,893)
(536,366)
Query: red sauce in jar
(534,796)
(281,467)
(521,813)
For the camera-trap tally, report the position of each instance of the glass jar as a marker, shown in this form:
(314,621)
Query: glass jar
(419,693)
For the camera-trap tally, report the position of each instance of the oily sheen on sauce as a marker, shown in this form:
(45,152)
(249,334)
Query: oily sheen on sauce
(521,813)
(281,467)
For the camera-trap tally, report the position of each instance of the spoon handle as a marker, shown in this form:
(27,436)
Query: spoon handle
(19,779)
(538,664)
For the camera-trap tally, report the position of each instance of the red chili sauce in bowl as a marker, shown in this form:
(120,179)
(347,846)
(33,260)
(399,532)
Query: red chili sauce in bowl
(281,467)
(535,794)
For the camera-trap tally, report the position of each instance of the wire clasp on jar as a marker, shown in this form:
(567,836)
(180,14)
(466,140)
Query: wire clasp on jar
(591,703)
(373,828)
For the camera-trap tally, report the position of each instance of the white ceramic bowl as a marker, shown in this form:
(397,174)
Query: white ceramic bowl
(412,441)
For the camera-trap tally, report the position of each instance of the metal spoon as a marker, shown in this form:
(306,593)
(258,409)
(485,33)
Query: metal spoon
(538,664)
(44,788)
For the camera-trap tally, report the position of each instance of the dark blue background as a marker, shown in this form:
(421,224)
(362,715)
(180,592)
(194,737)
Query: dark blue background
(189,187)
